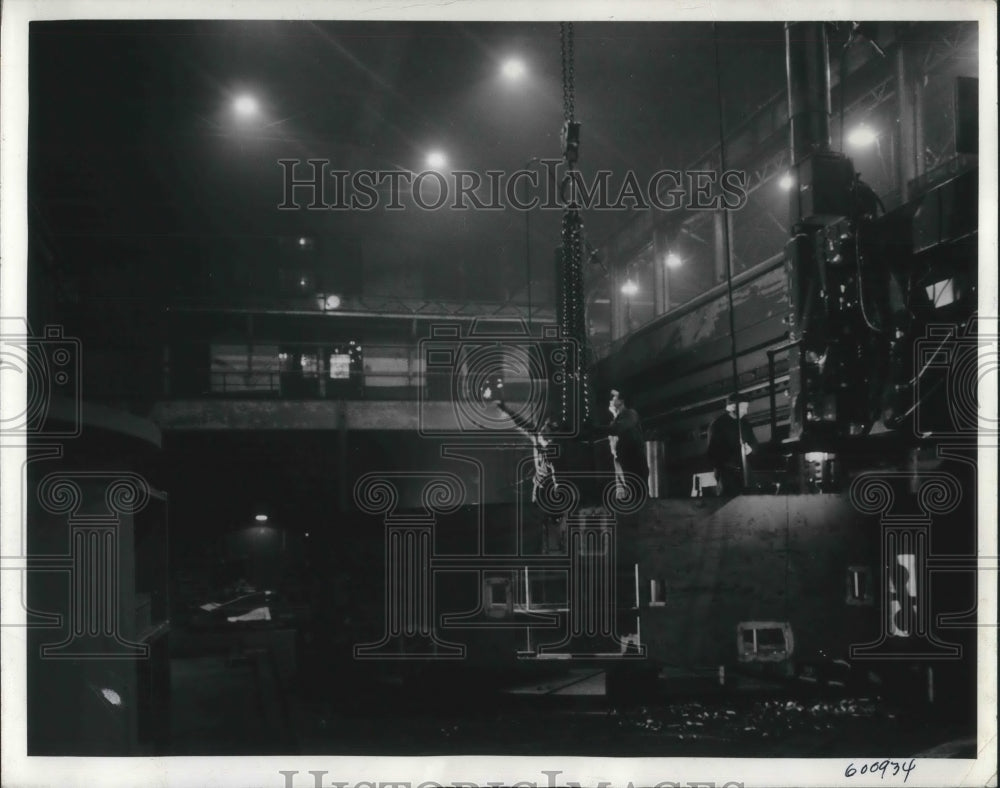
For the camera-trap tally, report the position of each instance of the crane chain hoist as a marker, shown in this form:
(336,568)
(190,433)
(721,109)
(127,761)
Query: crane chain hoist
(575,387)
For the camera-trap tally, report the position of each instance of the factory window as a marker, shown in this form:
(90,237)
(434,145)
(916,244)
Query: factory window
(691,260)
(641,304)
(299,371)
(310,365)
(635,294)
(599,318)
(760,229)
(388,370)
(871,139)
(244,369)
(940,102)
(764,641)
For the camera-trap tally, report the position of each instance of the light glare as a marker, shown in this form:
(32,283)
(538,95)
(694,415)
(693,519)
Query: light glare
(436,159)
(513,68)
(245,106)
(861,136)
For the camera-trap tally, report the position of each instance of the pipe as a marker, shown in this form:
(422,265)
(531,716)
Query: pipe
(807,65)
(727,238)
(906,160)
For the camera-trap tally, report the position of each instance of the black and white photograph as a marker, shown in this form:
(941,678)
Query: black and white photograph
(476,394)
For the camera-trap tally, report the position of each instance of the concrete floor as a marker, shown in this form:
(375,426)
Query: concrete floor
(221,706)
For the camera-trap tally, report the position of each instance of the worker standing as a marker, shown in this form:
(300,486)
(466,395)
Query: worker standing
(731,441)
(628,444)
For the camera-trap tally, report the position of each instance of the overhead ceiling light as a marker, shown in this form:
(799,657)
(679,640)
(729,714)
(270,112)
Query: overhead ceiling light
(246,106)
(260,518)
(861,136)
(674,260)
(436,159)
(513,68)
(630,288)
(786,181)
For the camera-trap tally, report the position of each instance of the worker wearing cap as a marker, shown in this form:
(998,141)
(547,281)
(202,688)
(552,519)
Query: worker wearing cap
(628,444)
(731,441)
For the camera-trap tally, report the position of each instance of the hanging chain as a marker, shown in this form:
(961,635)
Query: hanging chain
(572,75)
(573,324)
(568,73)
(570,129)
(562,63)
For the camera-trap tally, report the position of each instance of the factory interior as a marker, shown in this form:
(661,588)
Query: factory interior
(332,335)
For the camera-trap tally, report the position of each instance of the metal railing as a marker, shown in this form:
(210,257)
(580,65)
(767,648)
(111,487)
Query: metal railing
(271,370)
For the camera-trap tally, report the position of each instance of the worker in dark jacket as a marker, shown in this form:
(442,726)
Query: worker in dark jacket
(731,441)
(628,445)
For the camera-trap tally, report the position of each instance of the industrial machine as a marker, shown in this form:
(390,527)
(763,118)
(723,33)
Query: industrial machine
(852,560)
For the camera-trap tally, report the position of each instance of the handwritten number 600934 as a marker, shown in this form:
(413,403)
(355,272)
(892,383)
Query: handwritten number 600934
(882,766)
